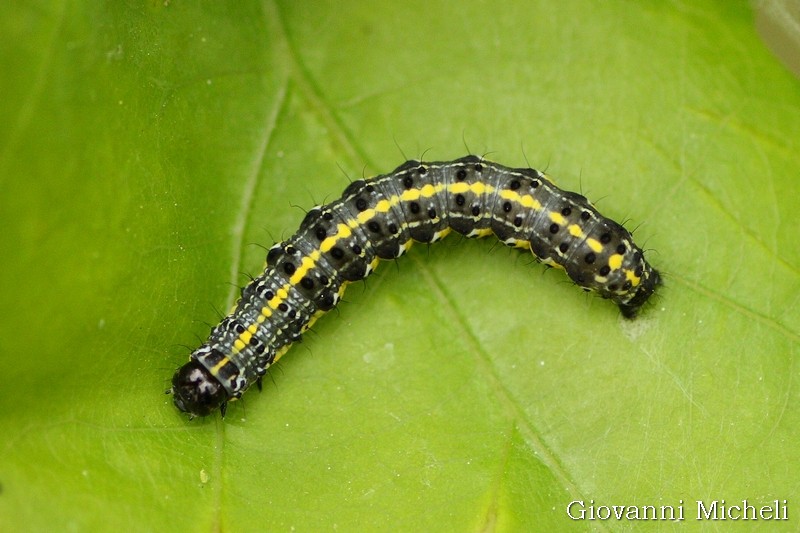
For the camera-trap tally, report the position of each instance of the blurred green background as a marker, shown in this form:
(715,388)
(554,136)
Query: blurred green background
(148,150)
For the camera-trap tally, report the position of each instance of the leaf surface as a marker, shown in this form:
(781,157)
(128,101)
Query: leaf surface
(150,149)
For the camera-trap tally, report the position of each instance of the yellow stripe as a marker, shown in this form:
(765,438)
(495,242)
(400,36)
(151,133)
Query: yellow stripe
(342,232)
(575,230)
(557,217)
(306,264)
(313,319)
(595,245)
(474,188)
(530,201)
(361,219)
(524,200)
(441,234)
(222,362)
(410,194)
(280,353)
(429,190)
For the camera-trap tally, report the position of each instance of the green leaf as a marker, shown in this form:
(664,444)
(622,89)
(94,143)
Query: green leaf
(147,146)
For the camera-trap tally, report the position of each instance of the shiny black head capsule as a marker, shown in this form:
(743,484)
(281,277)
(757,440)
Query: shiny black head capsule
(196,391)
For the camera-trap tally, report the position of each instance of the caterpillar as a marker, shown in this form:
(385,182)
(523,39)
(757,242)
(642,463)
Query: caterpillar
(379,218)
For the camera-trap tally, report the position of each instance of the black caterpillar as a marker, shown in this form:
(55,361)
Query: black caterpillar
(379,218)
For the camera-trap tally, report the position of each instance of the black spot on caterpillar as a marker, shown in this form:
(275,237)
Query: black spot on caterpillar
(379,218)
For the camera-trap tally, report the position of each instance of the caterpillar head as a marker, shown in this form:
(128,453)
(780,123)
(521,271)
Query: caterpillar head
(196,391)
